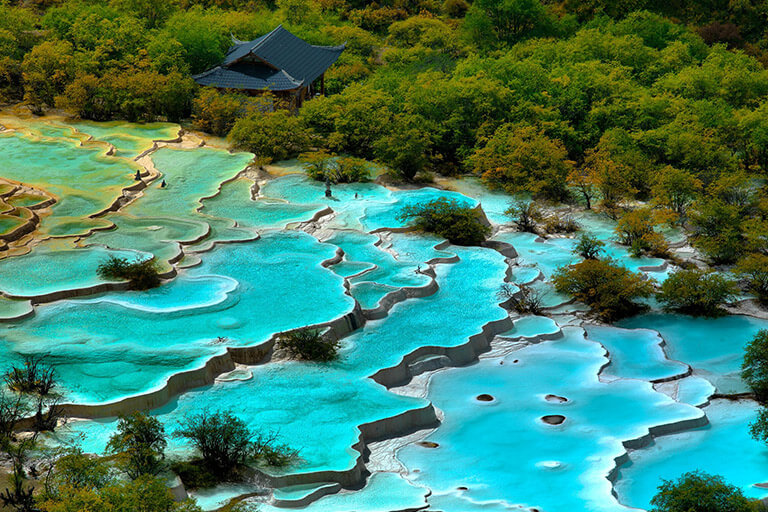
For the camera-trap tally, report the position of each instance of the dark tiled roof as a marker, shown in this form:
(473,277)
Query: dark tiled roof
(285,51)
(248,75)
(240,49)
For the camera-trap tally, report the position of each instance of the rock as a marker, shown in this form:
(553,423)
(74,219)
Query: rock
(556,399)
(428,444)
(549,464)
(553,419)
(484,398)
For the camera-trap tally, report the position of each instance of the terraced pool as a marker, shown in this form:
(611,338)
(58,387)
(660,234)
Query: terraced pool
(441,399)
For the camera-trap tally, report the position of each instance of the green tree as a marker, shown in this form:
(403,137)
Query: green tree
(731,76)
(276,135)
(141,440)
(758,429)
(636,229)
(153,11)
(696,292)
(405,149)
(146,493)
(223,440)
(75,470)
(610,290)
(754,368)
(675,189)
(448,218)
(699,492)
(421,30)
(351,122)
(524,214)
(524,159)
(203,35)
(456,110)
(351,170)
(226,443)
(753,134)
(493,22)
(613,8)
(717,230)
(616,167)
(215,112)
(754,269)
(47,70)
(589,247)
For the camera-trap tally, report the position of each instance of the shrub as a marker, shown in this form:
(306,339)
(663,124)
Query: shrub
(321,166)
(350,170)
(754,368)
(717,231)
(35,376)
(524,300)
(267,450)
(754,268)
(195,474)
(376,19)
(222,439)
(561,224)
(141,439)
(141,274)
(524,215)
(145,493)
(449,219)
(12,410)
(226,443)
(636,230)
(610,290)
(308,345)
(696,292)
(699,492)
(76,470)
(455,8)
(589,247)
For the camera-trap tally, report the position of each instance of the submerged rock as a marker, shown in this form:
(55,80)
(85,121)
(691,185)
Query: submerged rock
(553,419)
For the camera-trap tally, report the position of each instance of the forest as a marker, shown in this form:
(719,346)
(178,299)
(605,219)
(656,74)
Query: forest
(605,104)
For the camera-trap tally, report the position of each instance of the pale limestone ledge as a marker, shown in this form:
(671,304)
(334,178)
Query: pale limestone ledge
(383,455)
